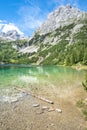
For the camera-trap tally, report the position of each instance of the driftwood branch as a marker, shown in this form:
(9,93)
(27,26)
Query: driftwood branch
(41,98)
(22,90)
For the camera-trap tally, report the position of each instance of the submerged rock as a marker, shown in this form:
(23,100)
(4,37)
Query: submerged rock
(8,99)
(36,105)
(45,107)
(51,109)
(58,110)
(15,97)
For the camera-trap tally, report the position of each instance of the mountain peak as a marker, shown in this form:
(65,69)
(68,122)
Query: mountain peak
(68,6)
(11,27)
(10,31)
(62,7)
(63,15)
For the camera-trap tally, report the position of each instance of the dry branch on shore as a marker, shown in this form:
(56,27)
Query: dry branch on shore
(41,98)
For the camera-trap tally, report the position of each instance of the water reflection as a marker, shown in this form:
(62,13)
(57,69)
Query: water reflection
(28,79)
(52,75)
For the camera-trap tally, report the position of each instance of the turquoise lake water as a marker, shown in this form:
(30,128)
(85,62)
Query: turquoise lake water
(55,78)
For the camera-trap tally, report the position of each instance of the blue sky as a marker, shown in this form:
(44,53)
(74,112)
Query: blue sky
(28,15)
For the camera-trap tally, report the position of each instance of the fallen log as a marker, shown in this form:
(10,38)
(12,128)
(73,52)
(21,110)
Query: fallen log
(41,98)
(22,90)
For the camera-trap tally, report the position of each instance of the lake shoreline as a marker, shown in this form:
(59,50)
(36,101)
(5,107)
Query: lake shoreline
(23,111)
(22,115)
(77,66)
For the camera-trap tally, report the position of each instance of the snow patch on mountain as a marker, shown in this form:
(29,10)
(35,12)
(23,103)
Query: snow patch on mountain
(10,27)
(9,31)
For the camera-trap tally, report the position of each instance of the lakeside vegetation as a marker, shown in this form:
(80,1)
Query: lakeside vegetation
(82,104)
(85,83)
(62,54)
(10,54)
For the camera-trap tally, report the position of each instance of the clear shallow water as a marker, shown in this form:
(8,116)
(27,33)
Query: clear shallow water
(52,78)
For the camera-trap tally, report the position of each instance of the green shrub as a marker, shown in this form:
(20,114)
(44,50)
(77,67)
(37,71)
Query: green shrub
(85,113)
(80,104)
(85,83)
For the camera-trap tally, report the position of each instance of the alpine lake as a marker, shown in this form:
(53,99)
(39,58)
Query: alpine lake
(46,80)
(20,110)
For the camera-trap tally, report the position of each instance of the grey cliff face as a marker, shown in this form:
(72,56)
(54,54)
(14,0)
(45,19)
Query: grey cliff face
(10,35)
(64,15)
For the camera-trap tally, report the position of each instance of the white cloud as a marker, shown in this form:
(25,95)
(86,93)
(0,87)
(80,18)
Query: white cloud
(31,16)
(11,26)
(34,13)
(3,21)
(31,2)
(31,23)
(1,26)
(0,21)
(5,27)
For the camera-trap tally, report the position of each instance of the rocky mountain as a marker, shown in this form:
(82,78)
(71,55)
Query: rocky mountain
(64,23)
(62,16)
(10,32)
(61,39)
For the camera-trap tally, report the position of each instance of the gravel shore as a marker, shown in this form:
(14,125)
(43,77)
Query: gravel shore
(22,115)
